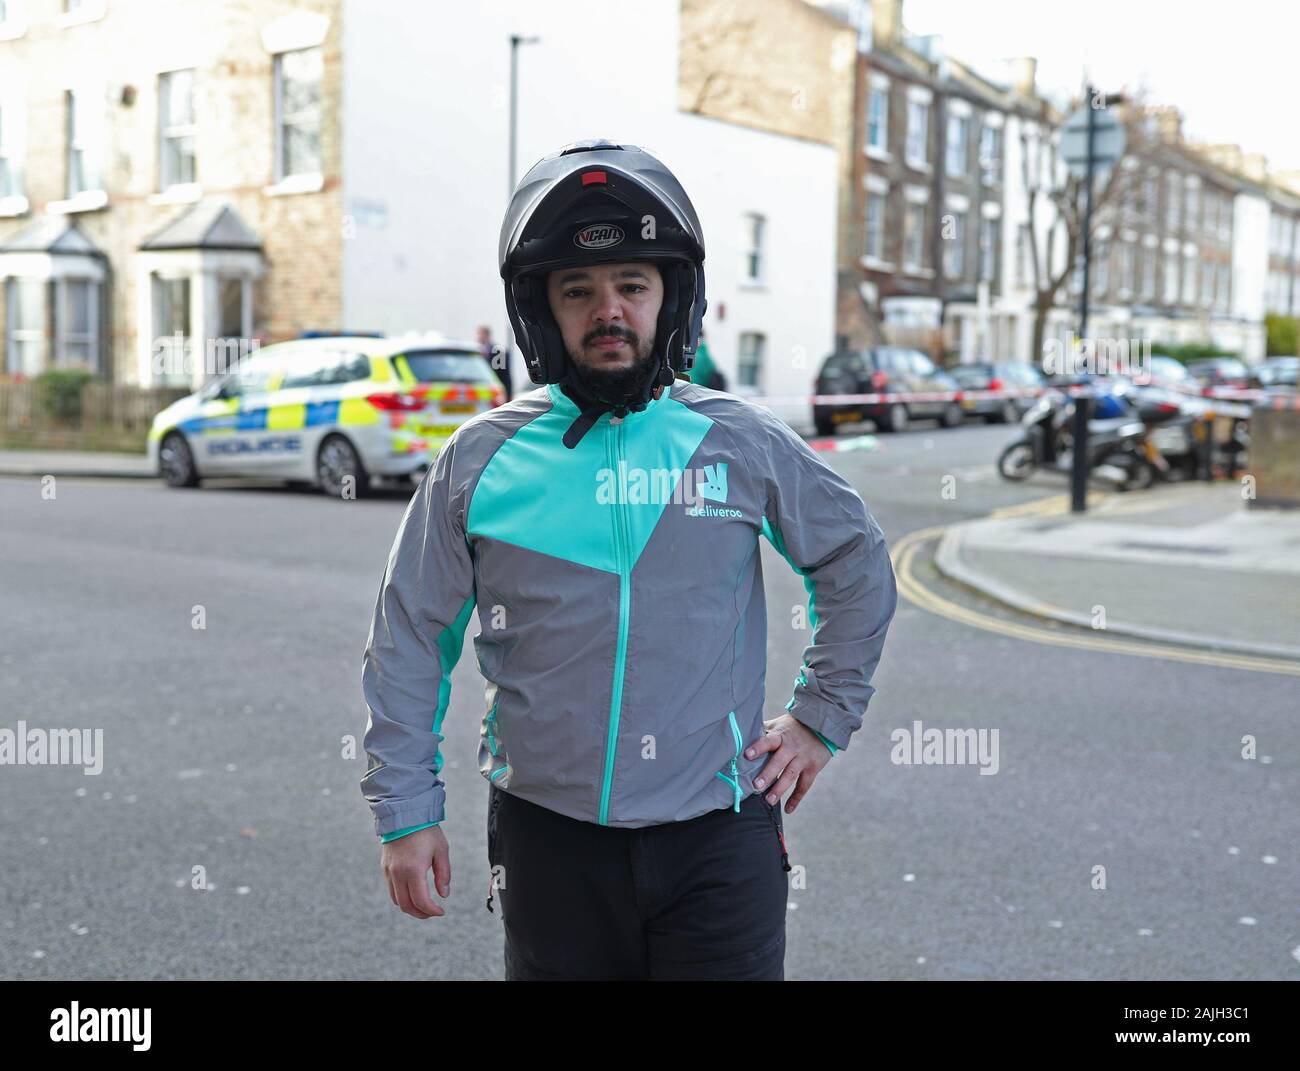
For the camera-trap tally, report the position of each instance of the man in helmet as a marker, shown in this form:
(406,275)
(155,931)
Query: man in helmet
(606,527)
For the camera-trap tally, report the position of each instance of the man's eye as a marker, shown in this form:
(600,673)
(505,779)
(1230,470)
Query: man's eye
(574,293)
(637,287)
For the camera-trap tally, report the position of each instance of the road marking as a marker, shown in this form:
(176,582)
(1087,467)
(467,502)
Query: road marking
(904,551)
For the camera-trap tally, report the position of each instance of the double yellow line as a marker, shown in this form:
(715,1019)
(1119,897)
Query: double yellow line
(904,554)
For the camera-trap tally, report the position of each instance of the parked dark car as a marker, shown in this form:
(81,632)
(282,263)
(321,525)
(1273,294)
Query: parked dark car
(1219,372)
(1169,373)
(998,375)
(883,370)
(1277,373)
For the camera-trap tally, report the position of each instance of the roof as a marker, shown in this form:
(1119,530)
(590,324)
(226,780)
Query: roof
(52,234)
(205,225)
(382,347)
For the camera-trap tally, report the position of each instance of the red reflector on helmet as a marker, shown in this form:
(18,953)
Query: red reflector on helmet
(590,177)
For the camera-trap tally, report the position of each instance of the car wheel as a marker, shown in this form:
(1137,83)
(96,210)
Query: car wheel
(176,462)
(895,418)
(824,424)
(1008,414)
(339,469)
(951,416)
(1017,460)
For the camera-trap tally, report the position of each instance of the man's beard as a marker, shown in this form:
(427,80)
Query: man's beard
(615,383)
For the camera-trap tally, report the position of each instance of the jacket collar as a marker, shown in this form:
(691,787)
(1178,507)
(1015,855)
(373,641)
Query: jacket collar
(562,403)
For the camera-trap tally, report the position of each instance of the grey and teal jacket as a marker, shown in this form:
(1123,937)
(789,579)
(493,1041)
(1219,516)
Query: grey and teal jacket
(619,589)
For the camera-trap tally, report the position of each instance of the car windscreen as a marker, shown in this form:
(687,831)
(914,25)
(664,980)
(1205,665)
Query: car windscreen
(841,363)
(971,375)
(449,366)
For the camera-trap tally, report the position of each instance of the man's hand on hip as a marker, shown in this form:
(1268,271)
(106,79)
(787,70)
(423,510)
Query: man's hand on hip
(406,863)
(798,757)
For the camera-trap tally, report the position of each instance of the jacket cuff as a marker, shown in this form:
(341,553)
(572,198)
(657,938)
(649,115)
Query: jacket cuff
(397,834)
(823,718)
(425,810)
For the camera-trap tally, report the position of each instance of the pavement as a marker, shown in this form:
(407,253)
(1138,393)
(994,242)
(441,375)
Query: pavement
(74,463)
(1187,564)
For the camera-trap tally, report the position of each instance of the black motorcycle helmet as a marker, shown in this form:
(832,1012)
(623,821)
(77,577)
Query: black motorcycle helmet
(595,202)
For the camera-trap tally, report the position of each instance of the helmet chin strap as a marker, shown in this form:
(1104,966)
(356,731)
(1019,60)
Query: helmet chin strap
(593,402)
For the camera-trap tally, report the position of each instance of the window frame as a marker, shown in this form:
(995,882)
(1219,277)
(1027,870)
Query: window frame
(752,253)
(922,108)
(11,153)
(39,335)
(954,251)
(62,335)
(170,132)
(957,146)
(281,120)
(990,164)
(990,228)
(917,232)
(878,95)
(746,359)
(874,197)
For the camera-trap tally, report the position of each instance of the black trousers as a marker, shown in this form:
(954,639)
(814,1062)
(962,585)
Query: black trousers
(700,899)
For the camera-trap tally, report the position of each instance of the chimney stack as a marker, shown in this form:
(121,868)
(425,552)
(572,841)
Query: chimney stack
(1169,121)
(886,23)
(1024,74)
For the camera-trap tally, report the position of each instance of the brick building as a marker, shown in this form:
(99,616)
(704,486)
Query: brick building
(164,169)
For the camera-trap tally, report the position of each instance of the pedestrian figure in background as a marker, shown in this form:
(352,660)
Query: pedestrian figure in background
(704,371)
(498,358)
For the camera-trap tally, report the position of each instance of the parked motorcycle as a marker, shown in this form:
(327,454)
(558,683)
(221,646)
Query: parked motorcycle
(1114,445)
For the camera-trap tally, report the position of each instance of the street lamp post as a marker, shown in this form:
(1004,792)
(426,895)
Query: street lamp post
(515,41)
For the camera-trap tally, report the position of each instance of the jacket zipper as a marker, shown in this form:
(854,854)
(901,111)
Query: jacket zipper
(492,743)
(614,452)
(491,725)
(734,779)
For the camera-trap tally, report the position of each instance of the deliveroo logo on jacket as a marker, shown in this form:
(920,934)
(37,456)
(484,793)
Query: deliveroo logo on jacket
(714,485)
(714,488)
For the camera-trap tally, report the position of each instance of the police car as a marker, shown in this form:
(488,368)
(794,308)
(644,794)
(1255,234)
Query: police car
(335,412)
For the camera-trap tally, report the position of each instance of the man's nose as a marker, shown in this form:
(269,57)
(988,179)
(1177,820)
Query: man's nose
(609,306)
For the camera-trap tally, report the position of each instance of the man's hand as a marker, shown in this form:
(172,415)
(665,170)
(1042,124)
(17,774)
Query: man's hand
(406,863)
(797,760)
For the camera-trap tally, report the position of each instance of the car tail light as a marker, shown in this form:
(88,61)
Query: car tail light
(995,384)
(879,380)
(1167,407)
(391,401)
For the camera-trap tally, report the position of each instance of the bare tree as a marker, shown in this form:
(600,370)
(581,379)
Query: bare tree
(1051,188)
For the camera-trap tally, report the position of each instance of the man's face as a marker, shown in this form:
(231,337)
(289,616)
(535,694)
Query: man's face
(607,315)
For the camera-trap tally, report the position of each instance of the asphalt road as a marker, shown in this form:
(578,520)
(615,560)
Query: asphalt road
(224,757)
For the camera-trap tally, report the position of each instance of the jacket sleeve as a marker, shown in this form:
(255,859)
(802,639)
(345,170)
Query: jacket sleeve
(416,635)
(821,526)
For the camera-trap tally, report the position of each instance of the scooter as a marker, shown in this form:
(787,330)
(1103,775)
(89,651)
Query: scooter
(1113,445)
